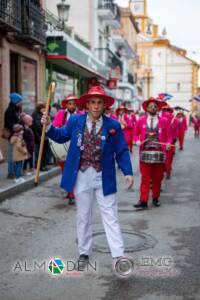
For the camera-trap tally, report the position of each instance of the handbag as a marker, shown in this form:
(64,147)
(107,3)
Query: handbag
(6,133)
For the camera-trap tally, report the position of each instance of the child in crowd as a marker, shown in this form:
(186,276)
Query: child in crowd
(29,140)
(20,152)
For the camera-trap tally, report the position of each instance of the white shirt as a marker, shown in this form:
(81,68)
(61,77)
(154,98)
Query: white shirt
(99,124)
(155,121)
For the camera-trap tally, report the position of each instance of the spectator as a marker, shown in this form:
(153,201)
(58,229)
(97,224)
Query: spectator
(12,117)
(37,130)
(29,140)
(20,152)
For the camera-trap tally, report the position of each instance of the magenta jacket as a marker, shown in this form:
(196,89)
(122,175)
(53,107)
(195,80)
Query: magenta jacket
(183,126)
(140,131)
(60,118)
(128,130)
(172,124)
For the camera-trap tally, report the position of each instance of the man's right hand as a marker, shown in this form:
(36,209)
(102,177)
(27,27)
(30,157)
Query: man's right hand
(45,119)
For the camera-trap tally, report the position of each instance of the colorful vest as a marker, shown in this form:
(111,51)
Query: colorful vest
(91,155)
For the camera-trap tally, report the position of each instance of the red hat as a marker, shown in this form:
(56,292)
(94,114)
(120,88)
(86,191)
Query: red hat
(121,107)
(95,91)
(167,107)
(151,99)
(70,97)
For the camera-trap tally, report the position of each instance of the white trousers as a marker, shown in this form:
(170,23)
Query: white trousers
(88,188)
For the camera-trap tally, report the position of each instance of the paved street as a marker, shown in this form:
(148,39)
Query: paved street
(38,225)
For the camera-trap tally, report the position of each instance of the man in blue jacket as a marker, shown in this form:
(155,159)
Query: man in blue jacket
(96,143)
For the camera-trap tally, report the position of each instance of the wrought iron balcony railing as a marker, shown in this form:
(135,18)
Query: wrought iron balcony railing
(33,22)
(10,15)
(109,58)
(109,5)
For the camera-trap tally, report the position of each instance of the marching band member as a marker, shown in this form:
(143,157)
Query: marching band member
(172,122)
(151,135)
(96,142)
(182,128)
(196,125)
(60,120)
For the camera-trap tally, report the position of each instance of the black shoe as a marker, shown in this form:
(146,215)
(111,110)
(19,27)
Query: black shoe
(82,262)
(156,202)
(141,204)
(71,201)
(10,176)
(168,177)
(44,169)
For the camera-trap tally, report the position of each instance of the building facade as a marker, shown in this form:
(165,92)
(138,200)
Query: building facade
(22,60)
(163,67)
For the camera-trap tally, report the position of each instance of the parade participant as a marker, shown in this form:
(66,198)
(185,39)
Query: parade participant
(96,142)
(126,124)
(196,124)
(172,122)
(110,112)
(61,118)
(151,134)
(182,128)
(130,120)
(20,152)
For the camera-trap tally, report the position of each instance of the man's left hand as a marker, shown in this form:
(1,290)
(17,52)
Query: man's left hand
(129,181)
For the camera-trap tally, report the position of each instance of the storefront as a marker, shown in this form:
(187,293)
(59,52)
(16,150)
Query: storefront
(72,66)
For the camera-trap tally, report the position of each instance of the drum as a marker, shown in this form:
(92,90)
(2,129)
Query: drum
(59,150)
(152,157)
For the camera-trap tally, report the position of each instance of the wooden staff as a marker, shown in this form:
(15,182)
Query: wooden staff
(51,91)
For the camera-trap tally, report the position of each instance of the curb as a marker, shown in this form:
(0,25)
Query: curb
(17,188)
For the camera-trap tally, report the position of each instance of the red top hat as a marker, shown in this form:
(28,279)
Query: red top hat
(151,99)
(70,97)
(121,107)
(95,92)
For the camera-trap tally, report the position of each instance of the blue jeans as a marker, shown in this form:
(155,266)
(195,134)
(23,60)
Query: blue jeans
(10,159)
(18,168)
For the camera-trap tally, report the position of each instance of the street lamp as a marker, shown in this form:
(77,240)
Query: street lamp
(63,13)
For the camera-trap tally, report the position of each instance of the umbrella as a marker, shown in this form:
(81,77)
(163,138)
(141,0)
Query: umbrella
(165,96)
(180,108)
(197,98)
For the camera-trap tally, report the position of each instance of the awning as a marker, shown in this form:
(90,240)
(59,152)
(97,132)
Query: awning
(68,56)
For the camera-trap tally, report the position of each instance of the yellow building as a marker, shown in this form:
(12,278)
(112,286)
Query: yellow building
(163,67)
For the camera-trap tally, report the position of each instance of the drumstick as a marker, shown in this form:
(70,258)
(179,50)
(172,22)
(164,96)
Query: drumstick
(50,92)
(164,144)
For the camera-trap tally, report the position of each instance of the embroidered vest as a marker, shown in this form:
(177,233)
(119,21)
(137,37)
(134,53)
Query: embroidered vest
(91,155)
(153,138)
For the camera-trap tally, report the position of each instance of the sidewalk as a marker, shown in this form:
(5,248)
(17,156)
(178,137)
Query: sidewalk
(8,188)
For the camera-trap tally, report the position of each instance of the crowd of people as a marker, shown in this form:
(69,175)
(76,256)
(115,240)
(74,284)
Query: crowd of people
(23,134)
(99,134)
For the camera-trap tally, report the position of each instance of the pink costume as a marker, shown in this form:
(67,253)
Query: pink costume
(182,128)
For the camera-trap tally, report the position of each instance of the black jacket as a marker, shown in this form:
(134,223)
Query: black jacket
(12,116)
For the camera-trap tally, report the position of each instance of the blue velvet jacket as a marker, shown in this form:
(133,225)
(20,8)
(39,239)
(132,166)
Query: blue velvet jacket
(113,147)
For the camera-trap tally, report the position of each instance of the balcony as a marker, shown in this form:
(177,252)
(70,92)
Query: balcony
(109,58)
(131,78)
(10,15)
(33,23)
(109,13)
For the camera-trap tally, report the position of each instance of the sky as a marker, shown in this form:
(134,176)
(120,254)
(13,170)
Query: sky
(181,20)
